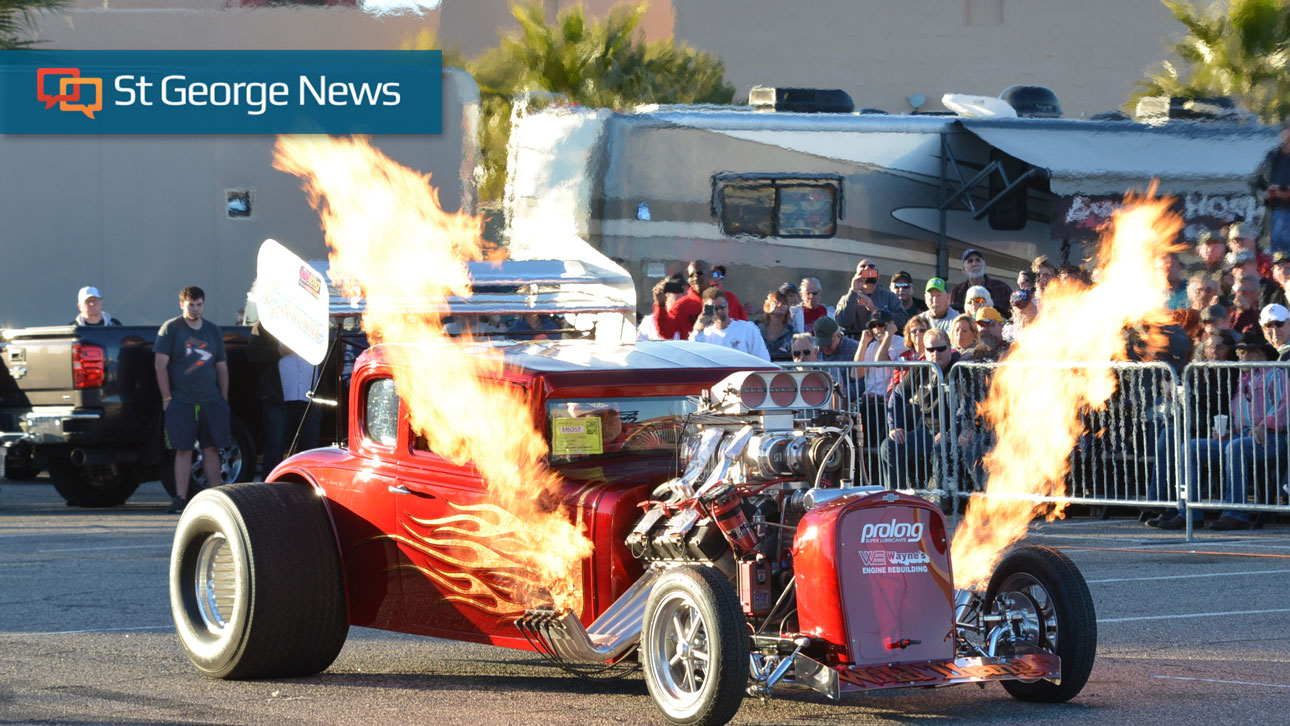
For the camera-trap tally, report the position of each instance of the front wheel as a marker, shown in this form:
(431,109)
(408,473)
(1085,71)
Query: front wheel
(694,647)
(1050,608)
(255,582)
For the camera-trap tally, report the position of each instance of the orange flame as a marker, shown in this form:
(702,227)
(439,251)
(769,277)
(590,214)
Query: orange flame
(1034,405)
(390,242)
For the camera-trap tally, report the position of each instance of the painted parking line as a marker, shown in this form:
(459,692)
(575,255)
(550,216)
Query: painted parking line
(1184,616)
(1215,680)
(104,549)
(1188,577)
(81,632)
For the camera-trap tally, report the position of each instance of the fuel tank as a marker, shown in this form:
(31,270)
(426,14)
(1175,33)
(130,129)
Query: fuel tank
(873,580)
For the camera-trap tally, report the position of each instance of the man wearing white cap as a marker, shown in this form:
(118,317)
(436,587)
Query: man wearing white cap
(90,303)
(1274,320)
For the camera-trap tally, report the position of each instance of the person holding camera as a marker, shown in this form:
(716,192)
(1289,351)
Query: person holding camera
(715,326)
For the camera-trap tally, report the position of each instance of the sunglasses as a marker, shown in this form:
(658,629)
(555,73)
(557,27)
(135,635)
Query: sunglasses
(800,354)
(901,285)
(978,300)
(877,327)
(938,348)
(866,267)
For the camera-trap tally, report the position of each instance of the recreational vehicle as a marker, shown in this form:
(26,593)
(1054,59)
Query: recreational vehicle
(778,194)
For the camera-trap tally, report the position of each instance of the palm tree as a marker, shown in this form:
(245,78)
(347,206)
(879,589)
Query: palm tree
(18,21)
(601,64)
(1237,48)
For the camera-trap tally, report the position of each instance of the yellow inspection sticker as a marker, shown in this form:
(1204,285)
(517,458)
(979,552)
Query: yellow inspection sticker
(576,436)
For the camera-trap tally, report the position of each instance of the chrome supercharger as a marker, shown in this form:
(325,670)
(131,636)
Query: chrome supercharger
(830,586)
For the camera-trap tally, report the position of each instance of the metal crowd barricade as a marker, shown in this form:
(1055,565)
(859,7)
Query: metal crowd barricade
(918,464)
(1226,466)
(1119,458)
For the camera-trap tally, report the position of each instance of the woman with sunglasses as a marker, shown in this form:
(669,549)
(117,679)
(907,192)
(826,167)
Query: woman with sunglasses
(803,348)
(913,338)
(776,327)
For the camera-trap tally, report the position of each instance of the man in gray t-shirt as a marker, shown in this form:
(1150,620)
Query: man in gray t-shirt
(192,373)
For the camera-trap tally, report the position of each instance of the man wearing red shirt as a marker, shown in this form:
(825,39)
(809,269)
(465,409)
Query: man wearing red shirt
(679,317)
(736,307)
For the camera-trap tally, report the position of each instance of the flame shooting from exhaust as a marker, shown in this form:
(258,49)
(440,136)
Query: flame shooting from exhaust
(1034,403)
(391,243)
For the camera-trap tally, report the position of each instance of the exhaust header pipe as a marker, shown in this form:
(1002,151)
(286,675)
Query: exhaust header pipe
(561,635)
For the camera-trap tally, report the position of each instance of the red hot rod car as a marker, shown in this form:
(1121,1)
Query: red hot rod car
(732,553)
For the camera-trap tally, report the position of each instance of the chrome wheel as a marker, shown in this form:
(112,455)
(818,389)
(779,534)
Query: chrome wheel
(680,659)
(216,583)
(1031,610)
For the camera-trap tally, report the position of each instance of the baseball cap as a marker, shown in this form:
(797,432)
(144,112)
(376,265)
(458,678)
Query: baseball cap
(1213,312)
(989,314)
(1258,343)
(788,288)
(879,317)
(902,276)
(1279,257)
(971,251)
(825,327)
(1205,237)
(1020,298)
(1274,313)
(935,283)
(86,293)
(977,291)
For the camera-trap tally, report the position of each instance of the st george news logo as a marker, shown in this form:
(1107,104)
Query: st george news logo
(70,80)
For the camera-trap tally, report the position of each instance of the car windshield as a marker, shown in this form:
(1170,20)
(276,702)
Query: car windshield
(587,427)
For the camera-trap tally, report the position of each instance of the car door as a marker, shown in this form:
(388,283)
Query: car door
(456,582)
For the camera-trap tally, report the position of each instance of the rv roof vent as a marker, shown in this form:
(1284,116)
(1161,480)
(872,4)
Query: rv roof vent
(1162,109)
(1033,101)
(801,100)
(977,106)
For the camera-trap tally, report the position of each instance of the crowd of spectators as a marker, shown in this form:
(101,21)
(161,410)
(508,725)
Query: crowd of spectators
(1227,298)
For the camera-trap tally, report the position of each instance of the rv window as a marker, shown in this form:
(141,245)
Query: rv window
(748,210)
(807,211)
(777,207)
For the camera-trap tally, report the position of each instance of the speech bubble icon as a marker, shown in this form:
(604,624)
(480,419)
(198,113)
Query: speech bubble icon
(86,108)
(42,73)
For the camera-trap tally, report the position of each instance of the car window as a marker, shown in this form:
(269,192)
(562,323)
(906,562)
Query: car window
(381,414)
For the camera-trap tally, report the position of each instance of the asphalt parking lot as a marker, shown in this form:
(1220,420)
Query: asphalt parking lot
(1189,633)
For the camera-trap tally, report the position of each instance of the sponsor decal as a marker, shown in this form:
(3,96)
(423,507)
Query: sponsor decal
(892,531)
(888,562)
(221,92)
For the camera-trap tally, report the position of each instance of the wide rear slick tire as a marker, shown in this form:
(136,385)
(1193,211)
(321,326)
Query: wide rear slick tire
(255,582)
(694,647)
(1043,582)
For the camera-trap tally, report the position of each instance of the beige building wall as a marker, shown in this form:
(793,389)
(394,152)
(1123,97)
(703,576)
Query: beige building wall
(883,51)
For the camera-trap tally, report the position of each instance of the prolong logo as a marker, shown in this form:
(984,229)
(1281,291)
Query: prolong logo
(69,79)
(892,531)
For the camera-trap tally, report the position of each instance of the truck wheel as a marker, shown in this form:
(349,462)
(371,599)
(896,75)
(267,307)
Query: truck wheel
(1046,588)
(694,647)
(255,582)
(237,461)
(97,485)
